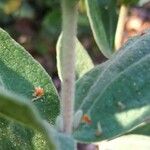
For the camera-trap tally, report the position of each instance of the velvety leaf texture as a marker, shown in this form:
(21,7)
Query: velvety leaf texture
(20,110)
(103,18)
(25,113)
(129,2)
(143,129)
(83,61)
(21,74)
(63,141)
(117,98)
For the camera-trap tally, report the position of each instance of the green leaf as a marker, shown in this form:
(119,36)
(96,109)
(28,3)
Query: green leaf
(22,111)
(63,141)
(20,73)
(143,129)
(128,2)
(143,2)
(118,98)
(84,84)
(83,60)
(19,109)
(102,17)
(52,23)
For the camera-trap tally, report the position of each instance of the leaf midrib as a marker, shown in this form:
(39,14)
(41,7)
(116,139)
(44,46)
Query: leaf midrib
(120,74)
(107,67)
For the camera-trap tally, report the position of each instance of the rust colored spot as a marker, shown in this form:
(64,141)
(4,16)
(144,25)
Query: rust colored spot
(38,92)
(86,119)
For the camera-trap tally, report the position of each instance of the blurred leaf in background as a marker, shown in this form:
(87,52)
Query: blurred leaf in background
(10,6)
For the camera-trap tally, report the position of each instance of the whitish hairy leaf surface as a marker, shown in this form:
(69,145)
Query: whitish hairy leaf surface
(20,73)
(83,61)
(115,95)
(102,17)
(62,141)
(20,110)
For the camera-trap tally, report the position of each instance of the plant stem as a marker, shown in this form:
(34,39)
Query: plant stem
(120,27)
(69,29)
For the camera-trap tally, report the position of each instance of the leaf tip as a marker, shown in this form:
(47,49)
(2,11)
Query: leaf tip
(77,119)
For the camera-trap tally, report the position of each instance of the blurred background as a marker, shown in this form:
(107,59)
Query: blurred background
(36,25)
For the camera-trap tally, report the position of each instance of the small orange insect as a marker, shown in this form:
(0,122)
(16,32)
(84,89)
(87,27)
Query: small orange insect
(86,119)
(38,93)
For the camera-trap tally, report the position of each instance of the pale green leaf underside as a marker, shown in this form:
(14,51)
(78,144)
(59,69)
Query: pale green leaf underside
(118,94)
(102,17)
(83,61)
(63,141)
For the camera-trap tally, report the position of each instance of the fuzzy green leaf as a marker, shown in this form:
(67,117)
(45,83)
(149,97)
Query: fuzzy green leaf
(118,97)
(20,73)
(102,17)
(143,129)
(63,141)
(128,2)
(83,60)
(20,110)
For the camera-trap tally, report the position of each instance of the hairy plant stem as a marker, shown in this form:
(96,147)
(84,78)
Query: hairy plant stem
(69,29)
(120,27)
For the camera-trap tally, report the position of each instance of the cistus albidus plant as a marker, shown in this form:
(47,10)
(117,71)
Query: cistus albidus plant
(96,103)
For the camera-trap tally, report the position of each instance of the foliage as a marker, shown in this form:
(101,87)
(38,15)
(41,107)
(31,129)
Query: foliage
(112,98)
(116,96)
(128,2)
(83,60)
(19,75)
(102,17)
